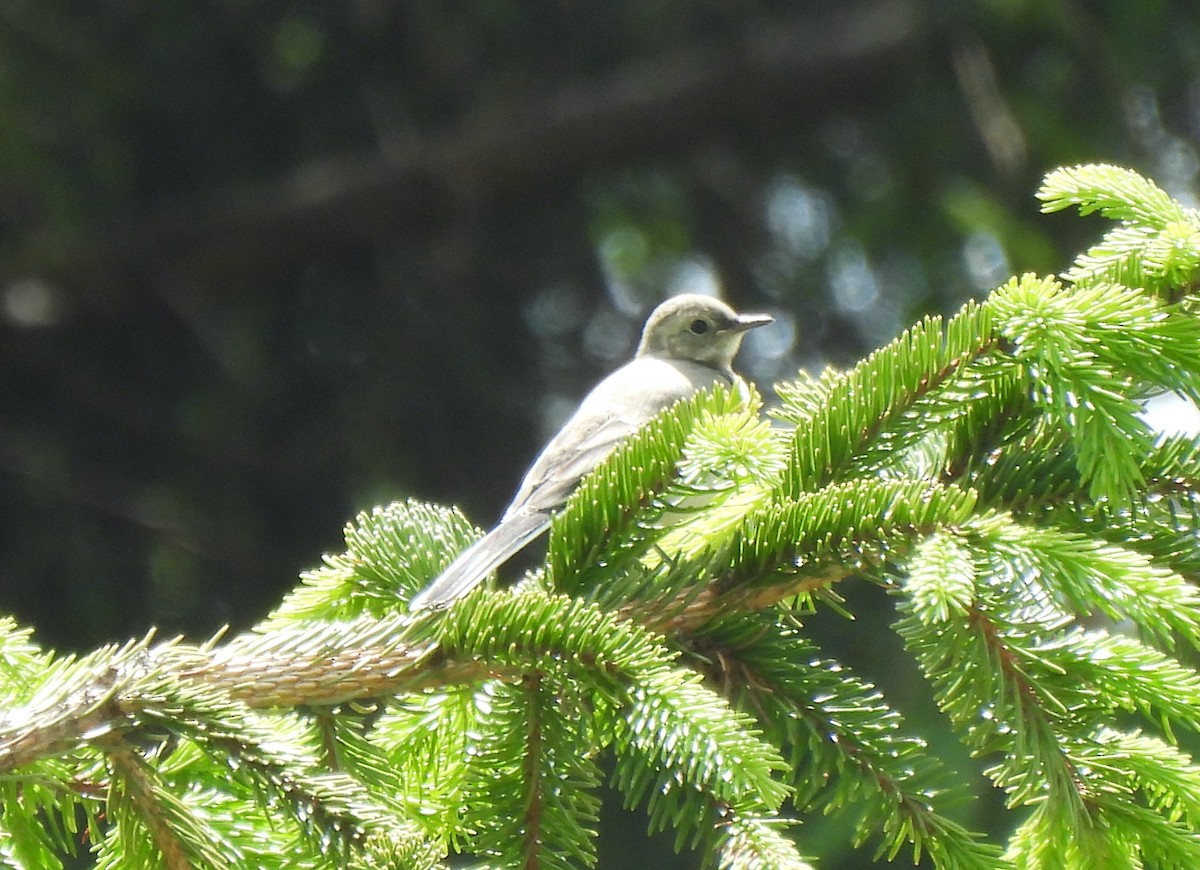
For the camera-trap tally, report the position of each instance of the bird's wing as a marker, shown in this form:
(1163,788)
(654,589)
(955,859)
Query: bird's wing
(619,405)
(572,454)
(565,461)
(480,559)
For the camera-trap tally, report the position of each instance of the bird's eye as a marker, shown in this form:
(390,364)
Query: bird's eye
(699,327)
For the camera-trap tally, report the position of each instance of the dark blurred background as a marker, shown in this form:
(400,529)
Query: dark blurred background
(265,264)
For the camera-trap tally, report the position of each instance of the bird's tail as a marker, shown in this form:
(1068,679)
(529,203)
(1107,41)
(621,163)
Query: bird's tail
(480,559)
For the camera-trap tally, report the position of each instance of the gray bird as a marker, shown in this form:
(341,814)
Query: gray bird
(688,343)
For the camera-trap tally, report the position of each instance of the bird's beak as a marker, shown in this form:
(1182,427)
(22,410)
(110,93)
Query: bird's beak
(750,321)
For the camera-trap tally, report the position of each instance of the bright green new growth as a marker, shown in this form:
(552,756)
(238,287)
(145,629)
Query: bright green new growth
(991,470)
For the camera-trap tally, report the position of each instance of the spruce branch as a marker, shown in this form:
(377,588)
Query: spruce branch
(845,746)
(992,686)
(992,470)
(152,824)
(1083,575)
(1156,245)
(81,701)
(752,844)
(843,415)
(1117,193)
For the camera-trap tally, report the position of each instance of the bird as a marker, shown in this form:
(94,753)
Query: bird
(688,343)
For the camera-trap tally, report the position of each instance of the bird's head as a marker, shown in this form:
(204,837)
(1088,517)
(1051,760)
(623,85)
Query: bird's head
(697,328)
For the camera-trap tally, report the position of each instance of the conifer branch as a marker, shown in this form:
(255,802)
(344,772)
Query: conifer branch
(129,770)
(992,471)
(535,785)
